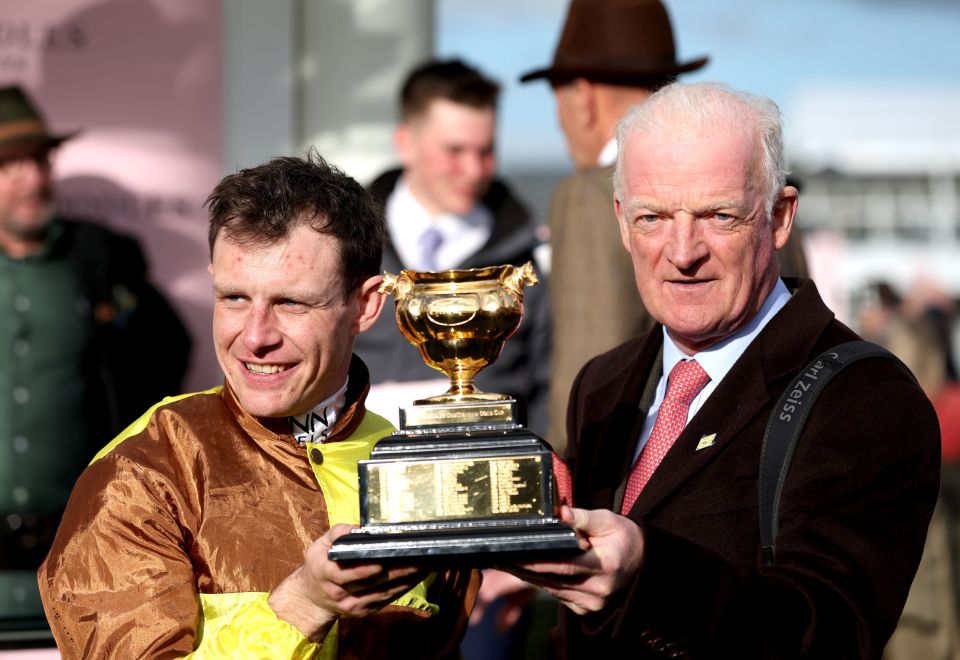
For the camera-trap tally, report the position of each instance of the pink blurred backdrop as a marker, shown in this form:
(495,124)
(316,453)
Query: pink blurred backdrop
(141,78)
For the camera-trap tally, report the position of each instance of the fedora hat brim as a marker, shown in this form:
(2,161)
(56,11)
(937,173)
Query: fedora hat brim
(627,42)
(624,75)
(23,145)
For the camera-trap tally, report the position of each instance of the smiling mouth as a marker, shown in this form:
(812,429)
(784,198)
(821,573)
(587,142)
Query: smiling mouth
(265,368)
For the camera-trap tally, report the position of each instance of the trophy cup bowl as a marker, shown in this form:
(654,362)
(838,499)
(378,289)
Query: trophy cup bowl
(462,480)
(459,320)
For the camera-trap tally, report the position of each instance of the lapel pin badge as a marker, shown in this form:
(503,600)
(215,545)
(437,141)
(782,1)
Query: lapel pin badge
(707,441)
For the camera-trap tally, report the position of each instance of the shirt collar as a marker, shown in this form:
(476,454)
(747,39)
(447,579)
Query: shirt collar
(407,220)
(718,359)
(608,155)
(416,218)
(316,424)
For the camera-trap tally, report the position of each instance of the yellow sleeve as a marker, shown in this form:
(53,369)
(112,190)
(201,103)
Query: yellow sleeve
(253,630)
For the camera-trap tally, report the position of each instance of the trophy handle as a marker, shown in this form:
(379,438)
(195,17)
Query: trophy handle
(515,278)
(398,285)
(389,283)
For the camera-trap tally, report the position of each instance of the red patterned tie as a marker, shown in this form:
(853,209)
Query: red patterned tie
(686,380)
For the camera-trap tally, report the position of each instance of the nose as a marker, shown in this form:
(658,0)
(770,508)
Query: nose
(260,331)
(686,248)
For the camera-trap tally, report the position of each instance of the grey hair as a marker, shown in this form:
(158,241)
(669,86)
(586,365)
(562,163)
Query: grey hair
(704,104)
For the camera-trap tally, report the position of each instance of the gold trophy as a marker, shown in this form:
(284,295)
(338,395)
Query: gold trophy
(462,477)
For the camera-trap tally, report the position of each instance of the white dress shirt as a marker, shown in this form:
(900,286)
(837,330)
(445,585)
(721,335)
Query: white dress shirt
(407,220)
(716,360)
(608,155)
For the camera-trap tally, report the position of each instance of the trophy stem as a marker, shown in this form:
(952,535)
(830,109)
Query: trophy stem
(461,383)
(462,390)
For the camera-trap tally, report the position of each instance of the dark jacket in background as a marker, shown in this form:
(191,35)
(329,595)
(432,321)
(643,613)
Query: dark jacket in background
(142,348)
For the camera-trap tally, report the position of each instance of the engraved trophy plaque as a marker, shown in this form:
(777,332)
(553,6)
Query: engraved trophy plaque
(462,479)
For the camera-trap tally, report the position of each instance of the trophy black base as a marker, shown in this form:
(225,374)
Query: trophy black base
(476,494)
(476,546)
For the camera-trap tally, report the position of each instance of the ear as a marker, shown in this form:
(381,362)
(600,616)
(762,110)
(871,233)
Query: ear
(403,142)
(624,231)
(369,304)
(784,211)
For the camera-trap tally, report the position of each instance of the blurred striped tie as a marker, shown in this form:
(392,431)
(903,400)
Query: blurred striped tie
(430,242)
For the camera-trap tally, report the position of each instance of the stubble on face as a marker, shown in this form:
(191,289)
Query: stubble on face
(26,200)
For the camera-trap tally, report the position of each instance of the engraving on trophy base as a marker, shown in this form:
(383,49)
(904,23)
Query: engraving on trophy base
(457,497)
(454,415)
(453,489)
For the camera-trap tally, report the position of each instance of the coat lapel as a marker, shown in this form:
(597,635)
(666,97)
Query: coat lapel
(611,420)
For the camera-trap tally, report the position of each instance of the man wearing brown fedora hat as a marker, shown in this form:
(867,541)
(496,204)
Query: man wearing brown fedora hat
(612,54)
(76,308)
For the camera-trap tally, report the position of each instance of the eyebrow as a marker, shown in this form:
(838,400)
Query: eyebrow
(632,207)
(737,206)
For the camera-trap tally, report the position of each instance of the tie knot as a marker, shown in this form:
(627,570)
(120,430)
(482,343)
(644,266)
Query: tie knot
(686,380)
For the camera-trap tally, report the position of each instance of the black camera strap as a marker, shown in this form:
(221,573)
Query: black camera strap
(786,423)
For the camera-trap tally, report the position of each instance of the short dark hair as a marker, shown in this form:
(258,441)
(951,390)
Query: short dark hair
(262,205)
(451,80)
